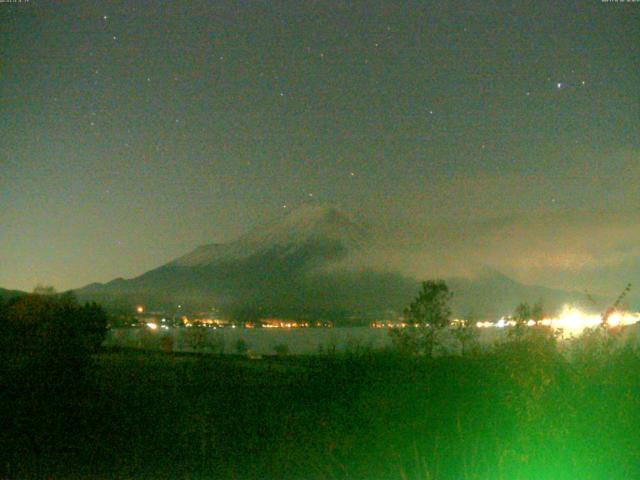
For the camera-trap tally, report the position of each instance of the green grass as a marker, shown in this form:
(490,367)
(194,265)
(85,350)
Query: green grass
(515,413)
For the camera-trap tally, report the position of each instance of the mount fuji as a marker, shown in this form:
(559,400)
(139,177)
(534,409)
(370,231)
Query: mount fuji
(279,269)
(295,268)
(316,231)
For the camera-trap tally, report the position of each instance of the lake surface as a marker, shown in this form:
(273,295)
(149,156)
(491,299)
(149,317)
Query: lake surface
(296,341)
(264,341)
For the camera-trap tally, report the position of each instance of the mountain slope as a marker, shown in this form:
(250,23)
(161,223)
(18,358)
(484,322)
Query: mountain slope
(290,268)
(269,268)
(309,225)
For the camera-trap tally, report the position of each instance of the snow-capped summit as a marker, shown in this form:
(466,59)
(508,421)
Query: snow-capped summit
(307,225)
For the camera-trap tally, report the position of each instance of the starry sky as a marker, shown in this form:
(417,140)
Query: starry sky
(471,133)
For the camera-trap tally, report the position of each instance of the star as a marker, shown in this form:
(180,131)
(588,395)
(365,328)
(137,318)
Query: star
(560,85)
(105,17)
(115,38)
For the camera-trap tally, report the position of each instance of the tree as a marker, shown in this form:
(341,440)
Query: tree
(92,325)
(428,314)
(52,327)
(45,347)
(44,290)
(537,312)
(521,315)
(465,331)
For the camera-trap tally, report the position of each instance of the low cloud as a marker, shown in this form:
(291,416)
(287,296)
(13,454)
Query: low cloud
(575,250)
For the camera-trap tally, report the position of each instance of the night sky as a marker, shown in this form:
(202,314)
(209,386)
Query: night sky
(469,133)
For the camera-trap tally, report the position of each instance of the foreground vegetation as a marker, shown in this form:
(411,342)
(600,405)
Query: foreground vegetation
(521,410)
(513,413)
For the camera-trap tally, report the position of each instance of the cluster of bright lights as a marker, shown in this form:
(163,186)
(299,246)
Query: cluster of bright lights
(154,326)
(572,321)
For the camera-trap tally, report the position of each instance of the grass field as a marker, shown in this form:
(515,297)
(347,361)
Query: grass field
(517,412)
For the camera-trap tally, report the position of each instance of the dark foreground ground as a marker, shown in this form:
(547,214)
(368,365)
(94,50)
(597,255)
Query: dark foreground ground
(516,413)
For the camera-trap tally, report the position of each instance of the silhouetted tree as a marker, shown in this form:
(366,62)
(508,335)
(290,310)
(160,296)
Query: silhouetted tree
(92,325)
(54,327)
(428,314)
(45,345)
(465,331)
(44,290)
(521,315)
(537,312)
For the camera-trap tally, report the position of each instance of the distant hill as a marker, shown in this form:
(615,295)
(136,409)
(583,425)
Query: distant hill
(6,294)
(492,294)
(287,269)
(612,279)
